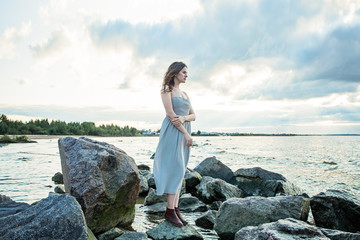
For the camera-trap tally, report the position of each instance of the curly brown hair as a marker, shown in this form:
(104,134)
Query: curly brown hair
(168,82)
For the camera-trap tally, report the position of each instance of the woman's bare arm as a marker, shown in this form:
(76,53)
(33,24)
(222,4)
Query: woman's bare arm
(166,99)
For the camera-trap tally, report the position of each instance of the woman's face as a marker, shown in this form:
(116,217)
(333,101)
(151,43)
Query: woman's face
(182,75)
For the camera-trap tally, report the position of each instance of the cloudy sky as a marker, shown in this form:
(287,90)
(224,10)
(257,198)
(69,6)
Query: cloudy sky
(254,65)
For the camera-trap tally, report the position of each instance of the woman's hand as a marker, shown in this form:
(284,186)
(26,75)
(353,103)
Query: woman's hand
(189,140)
(178,120)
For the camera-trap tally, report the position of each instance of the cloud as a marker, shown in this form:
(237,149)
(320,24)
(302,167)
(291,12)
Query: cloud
(55,43)
(10,37)
(252,35)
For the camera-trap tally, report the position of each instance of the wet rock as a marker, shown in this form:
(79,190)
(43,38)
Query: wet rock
(157,208)
(55,217)
(151,181)
(143,167)
(335,209)
(215,189)
(145,173)
(206,220)
(59,189)
(166,230)
(189,203)
(132,236)
(340,235)
(192,179)
(283,229)
(215,205)
(152,198)
(58,178)
(144,186)
(214,168)
(110,234)
(237,213)
(260,182)
(11,207)
(4,198)
(103,178)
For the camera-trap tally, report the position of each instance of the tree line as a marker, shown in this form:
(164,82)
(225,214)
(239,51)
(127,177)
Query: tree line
(56,127)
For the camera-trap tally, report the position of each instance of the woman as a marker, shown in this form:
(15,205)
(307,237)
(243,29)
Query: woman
(172,153)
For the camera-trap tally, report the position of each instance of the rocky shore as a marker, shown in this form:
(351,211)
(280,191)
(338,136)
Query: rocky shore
(97,191)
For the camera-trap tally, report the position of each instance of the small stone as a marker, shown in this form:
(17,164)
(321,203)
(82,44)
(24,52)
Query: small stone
(152,198)
(111,234)
(143,167)
(58,178)
(59,189)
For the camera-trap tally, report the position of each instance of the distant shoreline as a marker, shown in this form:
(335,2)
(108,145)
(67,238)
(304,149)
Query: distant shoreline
(36,137)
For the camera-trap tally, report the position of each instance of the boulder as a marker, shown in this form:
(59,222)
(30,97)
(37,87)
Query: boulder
(55,217)
(192,179)
(206,220)
(214,168)
(104,180)
(110,234)
(4,198)
(152,198)
(58,178)
(283,229)
(11,207)
(132,236)
(237,213)
(260,182)
(189,203)
(335,209)
(166,230)
(340,235)
(215,189)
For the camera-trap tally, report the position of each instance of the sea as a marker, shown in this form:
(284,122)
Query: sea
(314,163)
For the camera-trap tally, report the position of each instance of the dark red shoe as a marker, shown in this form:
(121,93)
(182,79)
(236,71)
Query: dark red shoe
(171,216)
(184,222)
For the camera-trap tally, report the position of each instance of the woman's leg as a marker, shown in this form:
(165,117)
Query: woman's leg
(177,209)
(170,213)
(171,201)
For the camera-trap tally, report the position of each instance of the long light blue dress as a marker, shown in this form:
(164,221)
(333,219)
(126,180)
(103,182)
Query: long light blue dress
(172,154)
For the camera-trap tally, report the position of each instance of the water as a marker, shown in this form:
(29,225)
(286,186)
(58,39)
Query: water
(314,163)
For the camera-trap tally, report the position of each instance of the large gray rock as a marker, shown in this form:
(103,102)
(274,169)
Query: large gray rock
(283,229)
(336,209)
(103,178)
(189,203)
(11,207)
(166,230)
(215,189)
(260,182)
(339,235)
(206,220)
(214,168)
(237,213)
(55,217)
